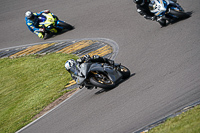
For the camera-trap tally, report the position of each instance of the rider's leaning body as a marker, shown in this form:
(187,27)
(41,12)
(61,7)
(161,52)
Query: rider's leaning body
(72,66)
(143,9)
(32,22)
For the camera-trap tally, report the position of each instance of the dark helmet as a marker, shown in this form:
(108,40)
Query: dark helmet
(139,2)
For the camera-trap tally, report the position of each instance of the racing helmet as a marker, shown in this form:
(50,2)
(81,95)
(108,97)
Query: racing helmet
(139,2)
(69,64)
(29,15)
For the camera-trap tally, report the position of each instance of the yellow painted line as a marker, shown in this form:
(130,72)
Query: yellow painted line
(73,82)
(76,46)
(23,51)
(41,47)
(102,51)
(32,49)
(106,51)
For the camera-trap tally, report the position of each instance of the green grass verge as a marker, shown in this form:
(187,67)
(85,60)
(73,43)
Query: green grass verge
(28,84)
(188,122)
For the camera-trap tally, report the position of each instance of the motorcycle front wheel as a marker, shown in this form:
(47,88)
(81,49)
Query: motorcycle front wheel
(179,14)
(102,80)
(65,25)
(124,71)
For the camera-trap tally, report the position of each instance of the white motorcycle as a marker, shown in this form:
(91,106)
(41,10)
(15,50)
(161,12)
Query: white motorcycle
(167,9)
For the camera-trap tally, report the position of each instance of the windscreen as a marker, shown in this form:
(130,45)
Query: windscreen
(152,5)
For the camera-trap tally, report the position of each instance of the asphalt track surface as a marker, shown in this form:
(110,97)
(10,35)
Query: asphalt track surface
(166,63)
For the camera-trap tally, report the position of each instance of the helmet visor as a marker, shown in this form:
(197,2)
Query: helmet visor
(74,70)
(152,5)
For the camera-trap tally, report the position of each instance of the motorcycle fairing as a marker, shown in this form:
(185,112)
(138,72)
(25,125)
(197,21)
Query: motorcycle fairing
(159,6)
(86,68)
(57,24)
(112,74)
(46,19)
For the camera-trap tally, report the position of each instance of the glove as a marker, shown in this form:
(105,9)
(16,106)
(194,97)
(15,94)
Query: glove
(41,30)
(40,35)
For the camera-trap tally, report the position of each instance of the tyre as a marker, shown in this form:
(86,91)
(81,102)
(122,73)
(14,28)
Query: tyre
(179,14)
(66,26)
(102,80)
(124,71)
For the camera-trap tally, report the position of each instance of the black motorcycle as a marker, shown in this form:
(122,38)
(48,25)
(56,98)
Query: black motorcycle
(100,75)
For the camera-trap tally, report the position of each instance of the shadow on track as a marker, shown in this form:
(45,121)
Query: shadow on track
(180,19)
(59,33)
(121,81)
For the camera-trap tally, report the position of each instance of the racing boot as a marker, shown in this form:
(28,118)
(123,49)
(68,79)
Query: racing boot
(40,35)
(162,22)
(89,87)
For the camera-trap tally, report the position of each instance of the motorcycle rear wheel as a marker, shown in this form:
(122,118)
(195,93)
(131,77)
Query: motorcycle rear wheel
(66,26)
(102,81)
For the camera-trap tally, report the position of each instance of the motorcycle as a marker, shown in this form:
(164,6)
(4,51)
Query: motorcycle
(51,24)
(100,75)
(167,9)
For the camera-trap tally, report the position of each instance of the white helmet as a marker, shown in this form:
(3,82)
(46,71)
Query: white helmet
(29,14)
(69,64)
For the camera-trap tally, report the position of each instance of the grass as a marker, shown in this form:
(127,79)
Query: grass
(188,122)
(28,84)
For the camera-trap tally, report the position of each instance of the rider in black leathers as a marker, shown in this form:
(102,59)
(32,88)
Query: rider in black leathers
(143,9)
(95,58)
(72,66)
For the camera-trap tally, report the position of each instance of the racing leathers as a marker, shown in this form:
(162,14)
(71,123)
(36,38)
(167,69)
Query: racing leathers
(95,58)
(144,11)
(33,24)
(74,70)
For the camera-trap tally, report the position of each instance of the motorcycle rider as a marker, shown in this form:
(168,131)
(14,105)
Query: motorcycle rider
(73,66)
(32,22)
(143,9)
